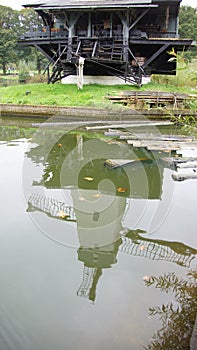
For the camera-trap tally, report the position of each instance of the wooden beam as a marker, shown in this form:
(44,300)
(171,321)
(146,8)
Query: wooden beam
(155,55)
(183,177)
(128,125)
(138,19)
(39,48)
(125,32)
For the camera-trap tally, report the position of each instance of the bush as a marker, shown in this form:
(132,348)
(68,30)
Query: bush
(186,76)
(23,74)
(37,78)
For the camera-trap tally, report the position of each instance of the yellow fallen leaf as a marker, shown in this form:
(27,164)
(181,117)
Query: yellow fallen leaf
(121,189)
(88,178)
(96,195)
(61,214)
(81,198)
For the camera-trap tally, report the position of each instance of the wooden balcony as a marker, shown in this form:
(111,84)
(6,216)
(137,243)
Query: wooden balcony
(44,33)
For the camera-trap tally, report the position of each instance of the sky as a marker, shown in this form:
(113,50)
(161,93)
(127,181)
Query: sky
(17,4)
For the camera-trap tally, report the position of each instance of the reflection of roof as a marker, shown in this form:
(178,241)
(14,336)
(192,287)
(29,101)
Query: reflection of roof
(52,207)
(177,252)
(95,260)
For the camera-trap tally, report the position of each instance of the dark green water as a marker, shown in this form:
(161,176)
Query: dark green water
(79,242)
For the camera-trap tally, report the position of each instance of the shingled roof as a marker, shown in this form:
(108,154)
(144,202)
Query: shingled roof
(71,4)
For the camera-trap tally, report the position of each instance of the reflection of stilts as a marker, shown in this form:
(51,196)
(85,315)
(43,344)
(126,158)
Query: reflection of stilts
(132,242)
(88,286)
(99,247)
(80,146)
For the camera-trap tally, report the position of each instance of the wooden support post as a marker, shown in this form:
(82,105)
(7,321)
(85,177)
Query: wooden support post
(89,33)
(177,25)
(111,25)
(125,22)
(71,33)
(94,48)
(167,17)
(48,75)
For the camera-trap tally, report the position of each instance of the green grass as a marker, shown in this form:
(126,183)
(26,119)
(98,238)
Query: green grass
(69,95)
(95,95)
(186,77)
(9,77)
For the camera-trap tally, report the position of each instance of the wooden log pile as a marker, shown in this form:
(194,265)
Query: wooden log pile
(151,99)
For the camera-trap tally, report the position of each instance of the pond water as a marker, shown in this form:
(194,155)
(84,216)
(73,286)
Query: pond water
(80,242)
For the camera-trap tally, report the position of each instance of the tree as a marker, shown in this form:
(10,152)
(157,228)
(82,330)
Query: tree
(29,20)
(13,24)
(188,22)
(188,25)
(9,25)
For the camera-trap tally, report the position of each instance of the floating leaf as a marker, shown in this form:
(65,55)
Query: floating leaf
(61,214)
(96,195)
(81,198)
(121,189)
(88,178)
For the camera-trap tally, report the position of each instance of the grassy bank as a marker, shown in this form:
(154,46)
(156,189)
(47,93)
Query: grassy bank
(70,96)
(95,95)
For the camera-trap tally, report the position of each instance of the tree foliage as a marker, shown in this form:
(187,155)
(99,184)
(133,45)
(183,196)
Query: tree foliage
(14,24)
(188,22)
(177,319)
(188,26)
(9,26)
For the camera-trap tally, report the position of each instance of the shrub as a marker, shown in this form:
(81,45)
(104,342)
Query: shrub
(37,78)
(23,74)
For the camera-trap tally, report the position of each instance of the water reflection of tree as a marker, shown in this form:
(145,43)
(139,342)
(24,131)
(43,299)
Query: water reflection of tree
(8,133)
(177,320)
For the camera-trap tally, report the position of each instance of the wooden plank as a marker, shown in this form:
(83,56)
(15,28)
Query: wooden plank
(156,137)
(116,163)
(153,145)
(130,125)
(189,164)
(154,93)
(178,160)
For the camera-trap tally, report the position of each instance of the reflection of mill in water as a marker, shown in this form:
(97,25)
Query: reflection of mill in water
(98,211)
(97,258)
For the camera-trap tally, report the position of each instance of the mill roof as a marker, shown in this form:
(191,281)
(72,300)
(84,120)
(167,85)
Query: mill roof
(78,4)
